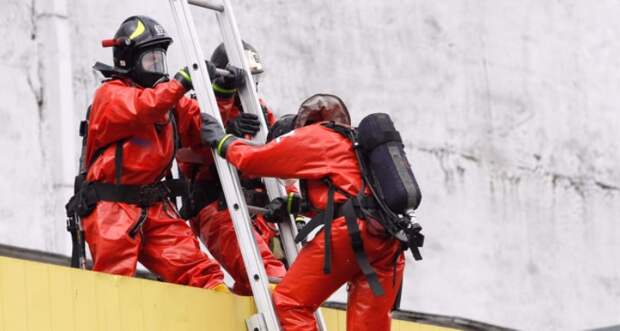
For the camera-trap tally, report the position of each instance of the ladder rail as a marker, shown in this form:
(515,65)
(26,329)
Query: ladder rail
(228,175)
(250,103)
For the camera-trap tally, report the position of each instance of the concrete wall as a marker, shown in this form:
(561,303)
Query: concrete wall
(507,108)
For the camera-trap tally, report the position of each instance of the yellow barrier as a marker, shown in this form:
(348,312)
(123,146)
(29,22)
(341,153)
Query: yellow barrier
(36,296)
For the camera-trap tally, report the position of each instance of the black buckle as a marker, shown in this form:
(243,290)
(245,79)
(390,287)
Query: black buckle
(86,200)
(415,236)
(150,194)
(71,224)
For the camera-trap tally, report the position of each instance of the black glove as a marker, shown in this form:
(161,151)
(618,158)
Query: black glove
(279,209)
(228,84)
(211,69)
(211,131)
(245,123)
(184,78)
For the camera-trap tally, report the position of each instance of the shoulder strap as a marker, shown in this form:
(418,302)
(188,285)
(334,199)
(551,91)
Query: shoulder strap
(348,132)
(118,162)
(84,134)
(353,229)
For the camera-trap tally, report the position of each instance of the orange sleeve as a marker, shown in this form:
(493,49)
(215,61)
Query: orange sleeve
(127,105)
(298,154)
(188,122)
(118,109)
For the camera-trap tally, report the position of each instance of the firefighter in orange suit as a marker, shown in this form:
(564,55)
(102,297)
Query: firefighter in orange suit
(205,206)
(325,162)
(137,120)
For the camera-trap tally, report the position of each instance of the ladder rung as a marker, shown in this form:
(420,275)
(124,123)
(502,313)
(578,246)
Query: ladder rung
(223,72)
(256,209)
(206,4)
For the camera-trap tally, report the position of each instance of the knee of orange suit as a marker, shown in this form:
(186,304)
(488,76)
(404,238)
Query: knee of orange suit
(368,312)
(211,220)
(294,315)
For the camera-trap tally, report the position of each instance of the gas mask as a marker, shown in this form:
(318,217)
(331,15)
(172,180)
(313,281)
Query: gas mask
(150,67)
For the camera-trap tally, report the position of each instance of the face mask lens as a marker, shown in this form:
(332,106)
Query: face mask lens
(154,61)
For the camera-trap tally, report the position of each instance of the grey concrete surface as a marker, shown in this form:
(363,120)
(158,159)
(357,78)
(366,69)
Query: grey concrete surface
(509,110)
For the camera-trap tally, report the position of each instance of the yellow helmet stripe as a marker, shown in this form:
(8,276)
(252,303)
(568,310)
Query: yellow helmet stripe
(138,31)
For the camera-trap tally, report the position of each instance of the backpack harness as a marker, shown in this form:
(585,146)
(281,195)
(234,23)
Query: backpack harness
(357,207)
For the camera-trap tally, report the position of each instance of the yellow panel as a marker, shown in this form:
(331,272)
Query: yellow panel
(335,320)
(106,295)
(13,299)
(411,326)
(2,328)
(154,304)
(131,312)
(395,326)
(84,300)
(60,291)
(173,314)
(38,299)
(35,296)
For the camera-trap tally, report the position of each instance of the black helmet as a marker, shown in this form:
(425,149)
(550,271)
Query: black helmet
(140,46)
(282,126)
(220,59)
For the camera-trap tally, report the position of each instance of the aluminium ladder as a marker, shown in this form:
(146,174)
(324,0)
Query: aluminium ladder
(266,318)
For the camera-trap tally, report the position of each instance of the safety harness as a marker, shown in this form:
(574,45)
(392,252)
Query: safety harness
(361,207)
(88,194)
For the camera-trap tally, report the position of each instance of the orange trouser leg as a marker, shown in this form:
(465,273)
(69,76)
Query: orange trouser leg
(218,234)
(366,311)
(106,231)
(305,286)
(171,250)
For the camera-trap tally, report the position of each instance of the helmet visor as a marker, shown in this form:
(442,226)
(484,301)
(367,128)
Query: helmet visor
(154,60)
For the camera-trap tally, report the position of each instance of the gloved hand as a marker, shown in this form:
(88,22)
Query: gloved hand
(184,78)
(229,84)
(245,123)
(211,69)
(279,209)
(211,131)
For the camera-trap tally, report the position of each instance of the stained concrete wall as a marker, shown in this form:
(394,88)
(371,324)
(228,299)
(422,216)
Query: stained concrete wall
(508,109)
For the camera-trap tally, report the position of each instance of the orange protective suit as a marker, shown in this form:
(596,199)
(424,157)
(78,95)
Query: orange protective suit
(213,223)
(313,153)
(133,127)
